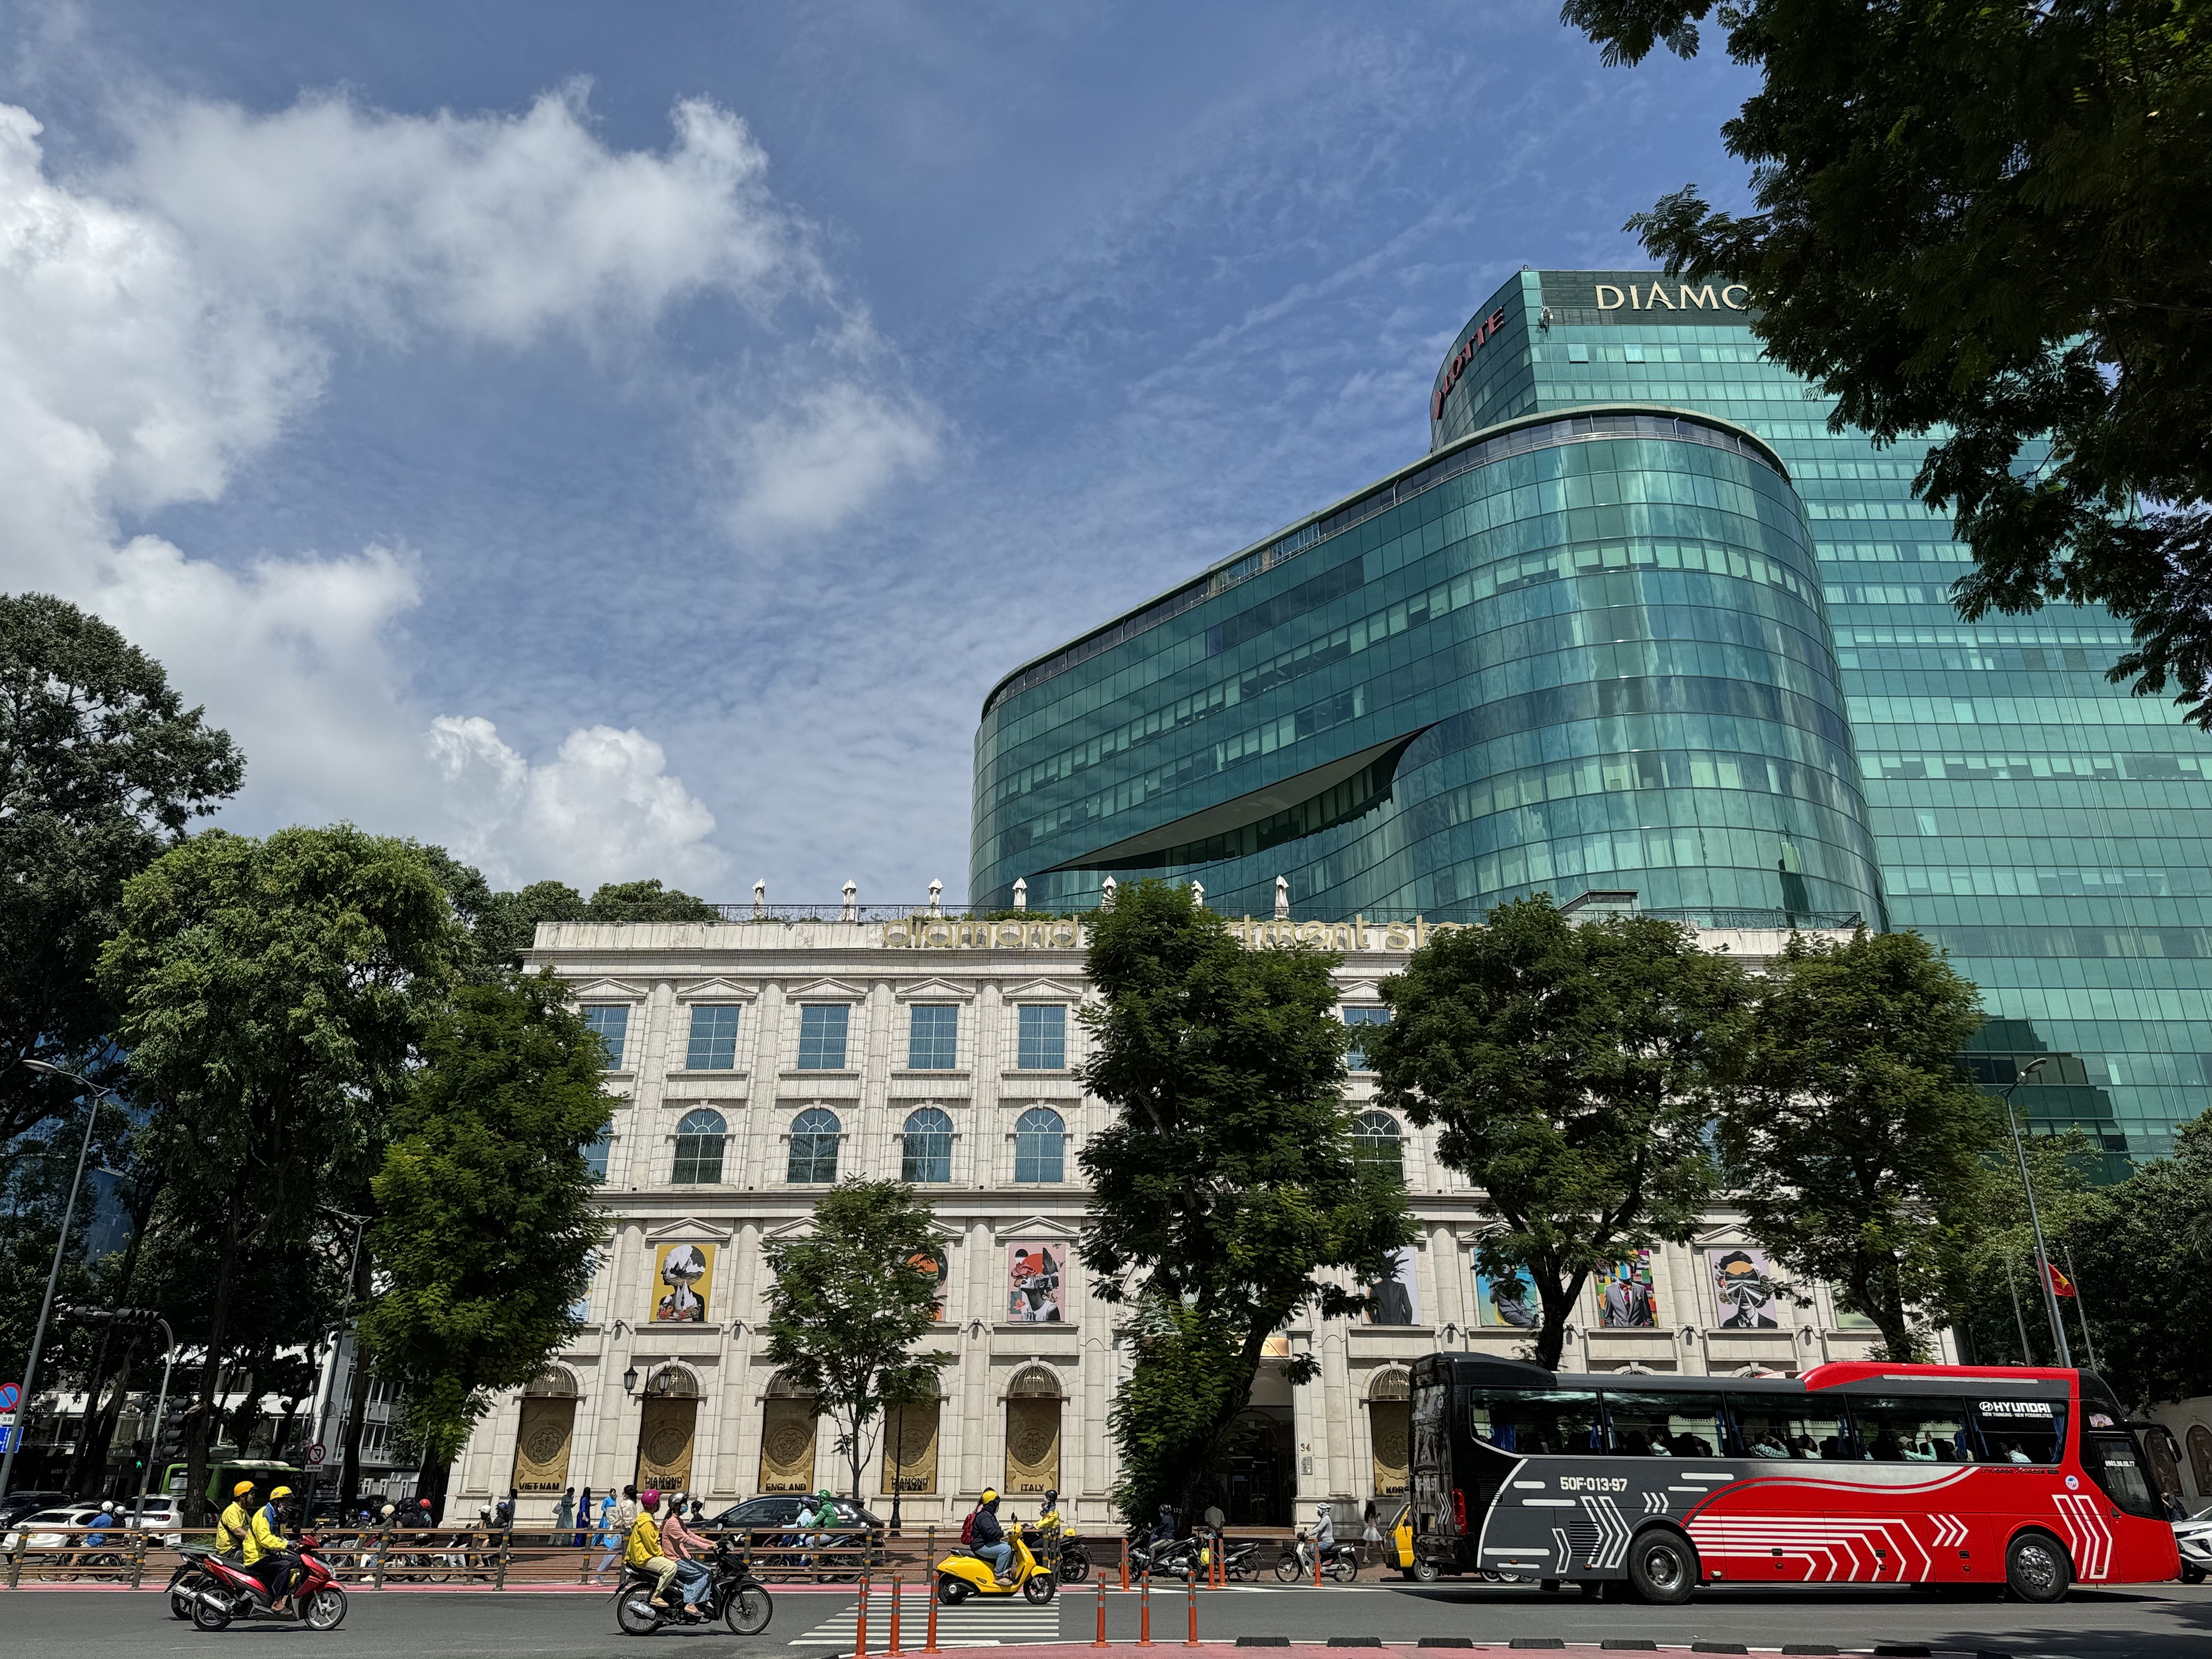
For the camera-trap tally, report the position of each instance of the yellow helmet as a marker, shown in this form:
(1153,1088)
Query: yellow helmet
(281,1492)
(990,1495)
(241,1489)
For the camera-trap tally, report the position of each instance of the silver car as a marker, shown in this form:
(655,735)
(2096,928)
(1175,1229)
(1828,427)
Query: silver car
(2193,1536)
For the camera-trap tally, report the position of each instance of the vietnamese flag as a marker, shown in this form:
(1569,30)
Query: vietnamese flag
(2060,1285)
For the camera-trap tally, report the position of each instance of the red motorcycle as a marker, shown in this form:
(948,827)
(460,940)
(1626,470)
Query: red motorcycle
(224,1591)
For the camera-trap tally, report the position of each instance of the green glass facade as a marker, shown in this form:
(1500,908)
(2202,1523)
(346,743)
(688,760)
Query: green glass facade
(1639,623)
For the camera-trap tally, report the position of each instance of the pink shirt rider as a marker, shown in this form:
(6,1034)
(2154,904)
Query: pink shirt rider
(678,1540)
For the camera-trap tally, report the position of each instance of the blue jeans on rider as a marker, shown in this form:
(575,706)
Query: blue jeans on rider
(691,1579)
(1000,1555)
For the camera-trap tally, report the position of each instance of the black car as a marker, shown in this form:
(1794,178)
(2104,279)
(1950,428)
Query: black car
(17,1505)
(760,1514)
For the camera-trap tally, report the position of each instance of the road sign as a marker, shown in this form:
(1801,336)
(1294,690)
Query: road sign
(8,1438)
(11,1395)
(314,1454)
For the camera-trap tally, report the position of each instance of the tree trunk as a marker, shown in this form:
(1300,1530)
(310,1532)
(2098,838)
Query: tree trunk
(196,1442)
(431,1481)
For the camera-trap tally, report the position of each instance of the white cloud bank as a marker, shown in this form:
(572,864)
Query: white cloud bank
(161,327)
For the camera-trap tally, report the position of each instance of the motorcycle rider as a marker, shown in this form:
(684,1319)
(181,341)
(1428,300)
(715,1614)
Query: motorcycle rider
(988,1539)
(1324,1535)
(269,1557)
(683,1546)
(236,1522)
(644,1551)
(1049,1526)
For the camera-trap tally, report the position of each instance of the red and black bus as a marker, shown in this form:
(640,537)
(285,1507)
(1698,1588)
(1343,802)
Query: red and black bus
(1860,1473)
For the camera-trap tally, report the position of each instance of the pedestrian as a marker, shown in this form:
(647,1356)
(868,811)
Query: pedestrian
(564,1512)
(583,1520)
(621,1520)
(1370,1532)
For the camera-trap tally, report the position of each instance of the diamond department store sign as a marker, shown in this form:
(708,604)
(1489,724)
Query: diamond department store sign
(945,933)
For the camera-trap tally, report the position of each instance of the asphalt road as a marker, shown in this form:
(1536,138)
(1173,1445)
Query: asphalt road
(2145,1622)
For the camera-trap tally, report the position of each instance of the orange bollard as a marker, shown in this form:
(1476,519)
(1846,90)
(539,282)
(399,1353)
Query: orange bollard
(1101,1598)
(1317,1564)
(1192,1641)
(860,1628)
(892,1647)
(929,1642)
(1125,1564)
(1144,1610)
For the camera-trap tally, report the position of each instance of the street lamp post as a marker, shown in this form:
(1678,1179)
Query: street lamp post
(54,1274)
(2035,1221)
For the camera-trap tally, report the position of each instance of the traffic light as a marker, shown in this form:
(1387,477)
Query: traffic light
(140,1451)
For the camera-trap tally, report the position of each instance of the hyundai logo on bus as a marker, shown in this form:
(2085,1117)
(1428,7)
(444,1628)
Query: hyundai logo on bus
(1474,342)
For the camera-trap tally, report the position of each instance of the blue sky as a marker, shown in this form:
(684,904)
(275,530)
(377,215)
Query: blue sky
(621,440)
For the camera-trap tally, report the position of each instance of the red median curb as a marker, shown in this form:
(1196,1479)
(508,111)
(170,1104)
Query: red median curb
(1432,1649)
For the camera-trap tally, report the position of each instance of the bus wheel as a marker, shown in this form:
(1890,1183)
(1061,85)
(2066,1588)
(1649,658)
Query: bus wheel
(1663,1566)
(2037,1568)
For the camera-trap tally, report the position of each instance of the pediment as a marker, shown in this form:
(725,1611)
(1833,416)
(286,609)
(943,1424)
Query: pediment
(716,990)
(798,1227)
(607,990)
(1036,1226)
(1065,990)
(824,990)
(1359,991)
(691,1229)
(936,990)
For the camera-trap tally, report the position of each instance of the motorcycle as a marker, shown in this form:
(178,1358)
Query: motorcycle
(1170,1557)
(733,1595)
(222,1591)
(1240,1561)
(1070,1562)
(963,1573)
(1340,1561)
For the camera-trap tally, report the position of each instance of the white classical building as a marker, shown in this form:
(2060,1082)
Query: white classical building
(755,1063)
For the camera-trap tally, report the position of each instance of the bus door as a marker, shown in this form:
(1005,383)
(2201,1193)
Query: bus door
(1430,1508)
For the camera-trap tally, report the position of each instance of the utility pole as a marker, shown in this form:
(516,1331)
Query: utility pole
(2035,1221)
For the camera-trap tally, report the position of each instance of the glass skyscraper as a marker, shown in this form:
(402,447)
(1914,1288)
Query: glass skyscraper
(1638,624)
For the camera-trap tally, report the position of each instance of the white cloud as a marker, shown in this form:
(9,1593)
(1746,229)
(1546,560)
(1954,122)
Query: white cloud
(165,327)
(605,809)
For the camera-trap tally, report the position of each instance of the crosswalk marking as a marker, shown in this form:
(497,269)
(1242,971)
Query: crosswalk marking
(972,1625)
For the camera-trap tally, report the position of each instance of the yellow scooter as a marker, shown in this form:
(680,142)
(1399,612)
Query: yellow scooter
(963,1573)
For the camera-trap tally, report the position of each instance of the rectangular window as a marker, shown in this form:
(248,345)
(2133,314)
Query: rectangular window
(596,1154)
(1784,1426)
(1914,1430)
(611,1020)
(1528,1420)
(1356,1056)
(1043,1038)
(2022,1431)
(713,1037)
(822,1028)
(1665,1424)
(933,1037)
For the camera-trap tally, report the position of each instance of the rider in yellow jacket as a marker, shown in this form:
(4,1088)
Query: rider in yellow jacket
(272,1561)
(235,1526)
(644,1552)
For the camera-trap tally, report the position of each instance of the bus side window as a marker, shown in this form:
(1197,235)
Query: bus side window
(1664,1424)
(1914,1430)
(1785,1426)
(2022,1431)
(1536,1420)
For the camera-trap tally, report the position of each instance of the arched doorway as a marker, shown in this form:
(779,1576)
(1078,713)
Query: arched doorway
(910,1448)
(787,1458)
(665,1425)
(2200,1458)
(1033,1405)
(542,1437)
(1389,1430)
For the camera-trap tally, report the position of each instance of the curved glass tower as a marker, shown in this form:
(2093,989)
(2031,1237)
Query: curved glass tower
(1641,623)
(1574,653)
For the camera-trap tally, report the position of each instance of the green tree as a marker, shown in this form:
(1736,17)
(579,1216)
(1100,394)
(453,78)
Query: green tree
(101,767)
(1573,1069)
(1983,221)
(1226,1193)
(1855,1145)
(505,923)
(273,994)
(848,1303)
(487,1219)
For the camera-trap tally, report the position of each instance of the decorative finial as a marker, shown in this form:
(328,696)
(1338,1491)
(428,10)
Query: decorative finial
(1021,893)
(852,909)
(1106,890)
(1282,898)
(760,901)
(1198,895)
(936,898)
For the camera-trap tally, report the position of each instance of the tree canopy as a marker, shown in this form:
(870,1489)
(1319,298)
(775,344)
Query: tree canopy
(1572,1069)
(1983,222)
(1855,1145)
(486,1221)
(847,1302)
(1226,1192)
(101,767)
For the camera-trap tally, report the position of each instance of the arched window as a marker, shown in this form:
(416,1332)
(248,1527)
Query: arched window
(1039,1136)
(813,1146)
(927,1154)
(1377,1139)
(699,1142)
(672,1383)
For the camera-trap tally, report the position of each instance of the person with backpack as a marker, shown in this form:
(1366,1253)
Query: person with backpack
(981,1532)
